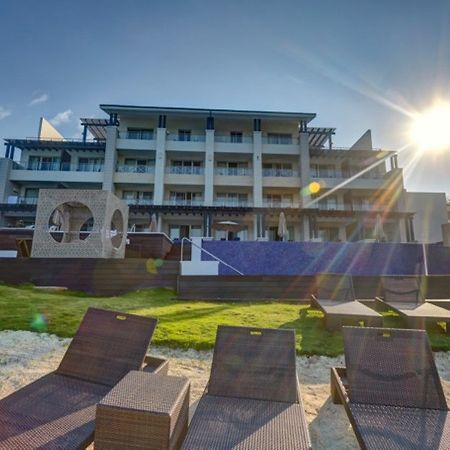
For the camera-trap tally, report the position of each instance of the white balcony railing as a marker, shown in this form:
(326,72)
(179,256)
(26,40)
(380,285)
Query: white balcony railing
(280,173)
(138,201)
(280,204)
(64,167)
(27,200)
(185,170)
(135,169)
(279,140)
(345,175)
(232,203)
(186,137)
(233,139)
(233,171)
(140,135)
(184,202)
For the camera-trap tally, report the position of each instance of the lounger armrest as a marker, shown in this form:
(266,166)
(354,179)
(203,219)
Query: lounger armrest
(339,385)
(156,365)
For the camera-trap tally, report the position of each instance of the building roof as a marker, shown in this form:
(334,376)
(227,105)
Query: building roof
(48,144)
(97,127)
(207,112)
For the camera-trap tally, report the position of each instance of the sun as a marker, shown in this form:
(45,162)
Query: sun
(430,130)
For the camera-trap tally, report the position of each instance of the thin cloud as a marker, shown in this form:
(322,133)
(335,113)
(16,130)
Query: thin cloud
(40,99)
(4,113)
(62,117)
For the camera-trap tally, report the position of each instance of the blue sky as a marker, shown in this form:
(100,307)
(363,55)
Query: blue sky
(356,64)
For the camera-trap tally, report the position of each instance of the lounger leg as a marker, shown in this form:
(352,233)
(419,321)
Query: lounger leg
(334,390)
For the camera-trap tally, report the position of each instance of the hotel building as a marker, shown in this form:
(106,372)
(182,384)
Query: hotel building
(193,168)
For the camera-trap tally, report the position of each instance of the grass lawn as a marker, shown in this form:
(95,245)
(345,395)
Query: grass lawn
(182,324)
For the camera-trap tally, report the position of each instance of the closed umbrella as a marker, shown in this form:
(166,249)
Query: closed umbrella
(378,230)
(153,224)
(282,227)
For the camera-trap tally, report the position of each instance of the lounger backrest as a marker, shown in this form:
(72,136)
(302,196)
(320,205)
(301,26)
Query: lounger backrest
(332,286)
(402,289)
(392,367)
(255,363)
(107,346)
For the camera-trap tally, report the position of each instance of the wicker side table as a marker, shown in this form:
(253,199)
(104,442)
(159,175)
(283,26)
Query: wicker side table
(143,411)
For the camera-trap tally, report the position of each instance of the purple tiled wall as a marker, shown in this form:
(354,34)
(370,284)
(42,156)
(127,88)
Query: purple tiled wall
(308,258)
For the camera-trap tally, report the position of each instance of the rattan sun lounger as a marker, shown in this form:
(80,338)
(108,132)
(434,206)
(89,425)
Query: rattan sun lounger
(57,411)
(252,401)
(391,390)
(335,297)
(405,296)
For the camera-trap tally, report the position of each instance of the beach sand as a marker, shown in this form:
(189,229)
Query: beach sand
(26,356)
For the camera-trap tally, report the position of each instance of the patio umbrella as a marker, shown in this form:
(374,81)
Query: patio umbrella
(153,224)
(228,225)
(282,227)
(378,230)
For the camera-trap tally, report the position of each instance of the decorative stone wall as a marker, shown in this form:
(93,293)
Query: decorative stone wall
(60,216)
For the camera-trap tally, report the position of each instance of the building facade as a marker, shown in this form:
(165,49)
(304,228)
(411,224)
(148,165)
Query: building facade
(194,168)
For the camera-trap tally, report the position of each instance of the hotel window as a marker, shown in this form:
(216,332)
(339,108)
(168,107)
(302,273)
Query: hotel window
(323,171)
(186,198)
(31,196)
(184,135)
(279,138)
(186,167)
(232,198)
(277,169)
(232,168)
(44,163)
(236,137)
(275,200)
(140,133)
(90,164)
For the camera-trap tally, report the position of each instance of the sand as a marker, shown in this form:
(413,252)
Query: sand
(26,356)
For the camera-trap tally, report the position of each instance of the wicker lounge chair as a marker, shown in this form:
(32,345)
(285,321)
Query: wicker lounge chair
(252,401)
(335,297)
(391,390)
(58,410)
(405,296)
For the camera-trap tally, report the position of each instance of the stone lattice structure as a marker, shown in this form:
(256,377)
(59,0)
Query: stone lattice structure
(60,216)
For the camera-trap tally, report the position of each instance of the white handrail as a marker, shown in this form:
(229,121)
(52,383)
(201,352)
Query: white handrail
(208,253)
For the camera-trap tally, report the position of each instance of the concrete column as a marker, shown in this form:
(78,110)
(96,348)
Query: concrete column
(305,174)
(255,226)
(109,167)
(402,229)
(159,223)
(306,229)
(160,166)
(209,168)
(257,170)
(342,233)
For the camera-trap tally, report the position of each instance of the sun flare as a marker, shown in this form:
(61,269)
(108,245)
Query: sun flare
(430,130)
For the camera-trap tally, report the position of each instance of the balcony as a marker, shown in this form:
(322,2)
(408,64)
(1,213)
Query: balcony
(280,173)
(365,181)
(62,166)
(233,171)
(138,201)
(233,139)
(139,135)
(279,140)
(185,170)
(186,137)
(280,204)
(57,171)
(184,202)
(27,200)
(233,203)
(129,140)
(135,169)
